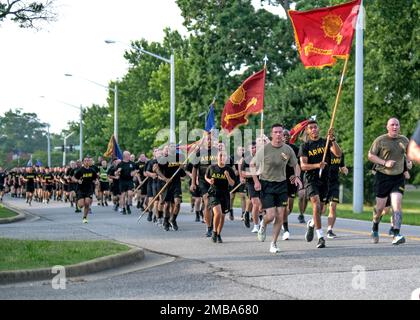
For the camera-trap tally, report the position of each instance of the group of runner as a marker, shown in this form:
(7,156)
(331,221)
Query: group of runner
(267,175)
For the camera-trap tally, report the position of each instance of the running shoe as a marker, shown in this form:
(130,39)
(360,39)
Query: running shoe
(286,236)
(261,233)
(128,210)
(214,237)
(391,231)
(321,243)
(256,228)
(149,216)
(301,218)
(309,235)
(331,234)
(246,220)
(85,220)
(209,232)
(399,239)
(219,239)
(174,225)
(274,248)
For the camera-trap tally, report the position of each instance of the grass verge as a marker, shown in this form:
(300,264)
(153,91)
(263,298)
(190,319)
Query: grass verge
(6,213)
(31,254)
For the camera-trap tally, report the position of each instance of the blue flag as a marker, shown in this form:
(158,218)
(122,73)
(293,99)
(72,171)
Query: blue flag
(113,150)
(210,119)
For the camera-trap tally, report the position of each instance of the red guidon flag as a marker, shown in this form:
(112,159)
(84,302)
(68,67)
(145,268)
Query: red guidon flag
(247,99)
(324,34)
(296,130)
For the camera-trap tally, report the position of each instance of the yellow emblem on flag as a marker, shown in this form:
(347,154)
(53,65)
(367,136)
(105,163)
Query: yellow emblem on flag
(332,24)
(238,96)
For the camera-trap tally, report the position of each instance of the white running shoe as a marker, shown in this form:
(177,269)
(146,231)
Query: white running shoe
(286,236)
(261,233)
(398,240)
(273,248)
(256,228)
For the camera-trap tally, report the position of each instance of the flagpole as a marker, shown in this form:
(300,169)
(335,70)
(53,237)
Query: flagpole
(262,112)
(337,99)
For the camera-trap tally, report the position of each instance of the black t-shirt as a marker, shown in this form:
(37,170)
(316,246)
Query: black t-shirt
(221,184)
(141,166)
(149,166)
(314,151)
(203,159)
(126,169)
(48,178)
(336,164)
(290,171)
(88,176)
(245,167)
(169,165)
(30,179)
(2,178)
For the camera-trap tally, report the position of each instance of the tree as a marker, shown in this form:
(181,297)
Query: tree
(27,13)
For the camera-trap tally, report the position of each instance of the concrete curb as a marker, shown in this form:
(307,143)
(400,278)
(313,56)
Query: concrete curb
(20,215)
(75,270)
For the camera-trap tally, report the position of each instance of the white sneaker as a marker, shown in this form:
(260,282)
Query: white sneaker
(286,236)
(256,228)
(273,248)
(398,240)
(261,233)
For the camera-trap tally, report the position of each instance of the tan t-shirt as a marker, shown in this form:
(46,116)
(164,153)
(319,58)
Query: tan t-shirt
(388,148)
(272,162)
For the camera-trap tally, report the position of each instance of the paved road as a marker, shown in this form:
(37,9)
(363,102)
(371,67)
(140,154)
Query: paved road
(186,265)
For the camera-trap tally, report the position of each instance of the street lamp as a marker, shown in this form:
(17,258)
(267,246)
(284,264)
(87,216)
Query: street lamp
(115,90)
(49,145)
(171,61)
(81,124)
(65,148)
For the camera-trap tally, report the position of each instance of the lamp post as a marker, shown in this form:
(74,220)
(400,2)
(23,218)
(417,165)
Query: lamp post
(65,148)
(49,145)
(171,61)
(115,90)
(80,124)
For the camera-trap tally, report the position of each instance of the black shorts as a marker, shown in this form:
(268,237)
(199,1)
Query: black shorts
(385,185)
(150,184)
(29,188)
(204,187)
(126,185)
(196,193)
(273,194)
(252,193)
(292,189)
(173,191)
(333,192)
(49,188)
(1,187)
(157,185)
(115,188)
(103,186)
(222,199)
(73,187)
(84,194)
(317,188)
(143,189)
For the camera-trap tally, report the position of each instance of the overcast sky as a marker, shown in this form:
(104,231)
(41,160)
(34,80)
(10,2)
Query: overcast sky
(33,63)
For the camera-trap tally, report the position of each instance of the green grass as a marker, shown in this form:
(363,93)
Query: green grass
(6,213)
(31,254)
(411,208)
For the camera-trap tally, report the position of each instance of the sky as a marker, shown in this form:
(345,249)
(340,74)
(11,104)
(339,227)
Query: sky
(33,63)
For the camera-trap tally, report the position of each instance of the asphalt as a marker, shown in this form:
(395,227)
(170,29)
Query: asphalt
(187,265)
